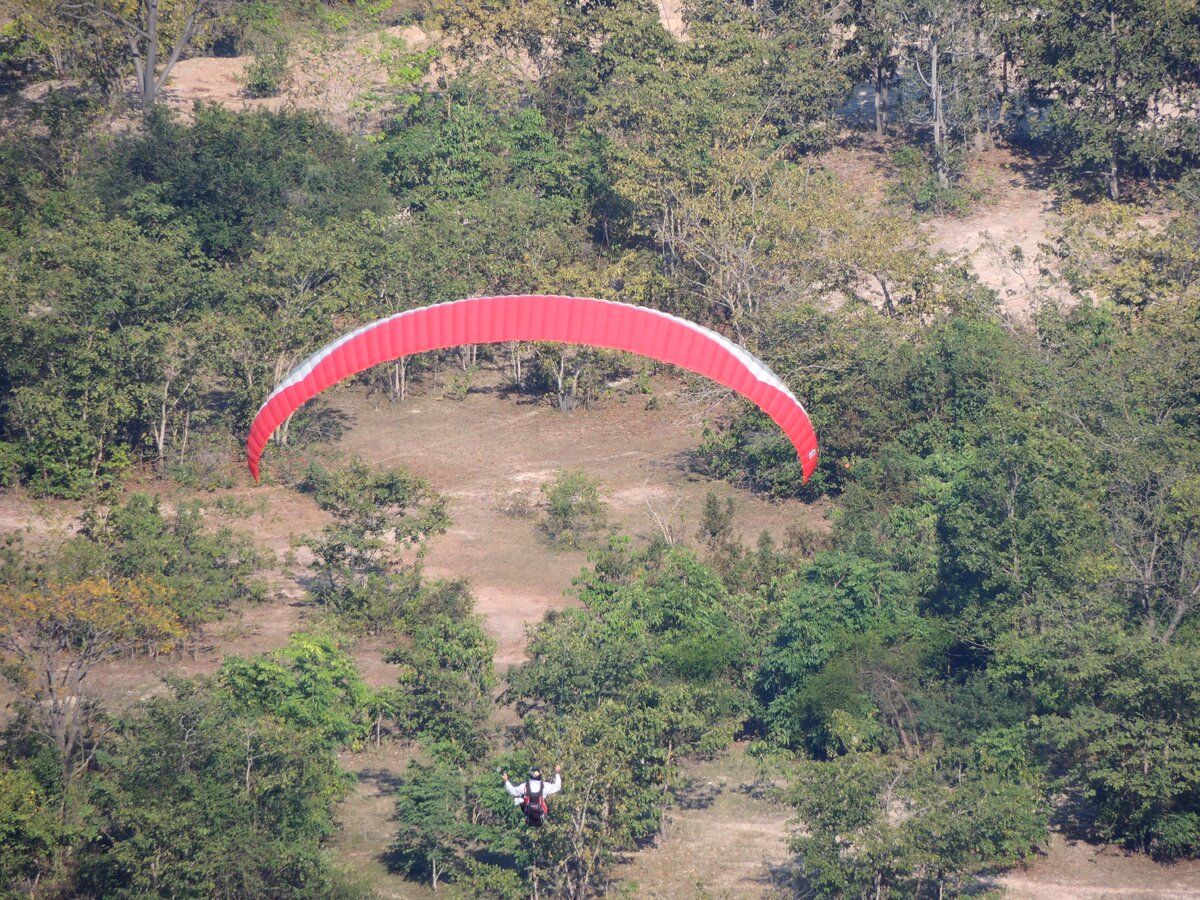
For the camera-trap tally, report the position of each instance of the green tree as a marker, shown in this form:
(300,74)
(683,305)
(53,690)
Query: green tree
(446,686)
(876,826)
(1118,712)
(31,831)
(1019,526)
(201,800)
(378,515)
(205,571)
(310,684)
(1107,73)
(433,832)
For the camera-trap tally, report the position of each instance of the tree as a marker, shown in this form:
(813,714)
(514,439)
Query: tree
(875,37)
(154,31)
(1110,75)
(378,515)
(429,807)
(310,684)
(85,389)
(1118,713)
(31,831)
(874,825)
(949,46)
(836,663)
(445,686)
(615,777)
(204,571)
(1017,526)
(53,636)
(202,800)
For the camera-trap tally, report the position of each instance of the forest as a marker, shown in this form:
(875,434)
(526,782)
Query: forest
(993,636)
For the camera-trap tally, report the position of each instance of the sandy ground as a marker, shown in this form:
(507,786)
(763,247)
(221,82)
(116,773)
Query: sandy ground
(670,13)
(335,79)
(1001,239)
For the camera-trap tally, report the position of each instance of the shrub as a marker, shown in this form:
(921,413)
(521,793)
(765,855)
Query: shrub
(574,510)
(266,76)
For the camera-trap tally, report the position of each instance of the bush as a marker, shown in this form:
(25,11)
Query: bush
(917,186)
(574,510)
(266,76)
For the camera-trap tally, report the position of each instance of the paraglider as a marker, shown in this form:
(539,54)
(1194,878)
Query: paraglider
(571,320)
(530,795)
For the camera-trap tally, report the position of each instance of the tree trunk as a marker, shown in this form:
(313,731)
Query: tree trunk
(939,115)
(399,385)
(880,103)
(1114,190)
(150,63)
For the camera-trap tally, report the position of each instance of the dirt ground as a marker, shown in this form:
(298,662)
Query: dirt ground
(1072,869)
(720,838)
(486,453)
(1001,239)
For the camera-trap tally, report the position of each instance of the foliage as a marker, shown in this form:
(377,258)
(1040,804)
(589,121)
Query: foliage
(1119,712)
(310,684)
(206,572)
(200,799)
(52,636)
(378,514)
(267,74)
(233,178)
(574,510)
(878,826)
(841,657)
(429,801)
(917,184)
(446,686)
(31,829)
(1106,77)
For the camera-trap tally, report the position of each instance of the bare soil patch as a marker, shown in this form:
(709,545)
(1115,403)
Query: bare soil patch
(1001,241)
(718,840)
(1072,869)
(331,78)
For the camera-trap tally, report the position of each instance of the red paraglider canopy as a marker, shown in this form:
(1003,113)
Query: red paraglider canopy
(570,320)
